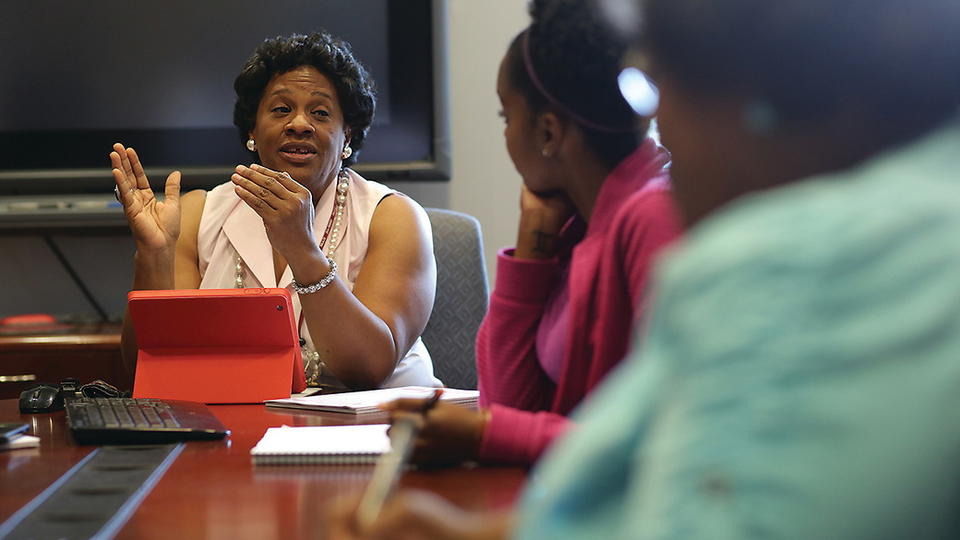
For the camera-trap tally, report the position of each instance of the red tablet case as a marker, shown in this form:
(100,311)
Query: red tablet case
(216,345)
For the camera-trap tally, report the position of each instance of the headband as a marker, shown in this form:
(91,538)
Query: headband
(528,64)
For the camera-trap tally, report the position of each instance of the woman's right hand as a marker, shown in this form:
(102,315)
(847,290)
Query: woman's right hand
(541,219)
(155,224)
(448,434)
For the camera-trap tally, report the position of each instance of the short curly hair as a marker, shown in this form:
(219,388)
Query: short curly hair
(329,55)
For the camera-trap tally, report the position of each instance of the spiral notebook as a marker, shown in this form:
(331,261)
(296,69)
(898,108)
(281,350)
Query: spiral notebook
(322,445)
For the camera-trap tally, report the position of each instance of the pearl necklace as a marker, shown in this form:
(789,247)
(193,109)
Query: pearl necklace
(336,216)
(333,230)
(312,365)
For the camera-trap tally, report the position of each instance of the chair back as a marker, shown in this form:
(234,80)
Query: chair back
(461,300)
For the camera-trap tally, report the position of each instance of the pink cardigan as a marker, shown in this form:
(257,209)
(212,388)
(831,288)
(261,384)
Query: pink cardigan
(633,219)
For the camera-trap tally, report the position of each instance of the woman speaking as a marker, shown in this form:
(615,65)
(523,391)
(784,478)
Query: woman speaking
(357,254)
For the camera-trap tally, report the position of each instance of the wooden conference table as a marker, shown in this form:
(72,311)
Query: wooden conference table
(213,490)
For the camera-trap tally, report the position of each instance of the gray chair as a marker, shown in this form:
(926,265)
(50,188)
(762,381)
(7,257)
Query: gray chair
(461,300)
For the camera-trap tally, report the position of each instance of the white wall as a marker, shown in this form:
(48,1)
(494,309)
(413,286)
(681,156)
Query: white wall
(484,183)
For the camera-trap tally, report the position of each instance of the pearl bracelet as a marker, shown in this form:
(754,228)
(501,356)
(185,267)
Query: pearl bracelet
(327,279)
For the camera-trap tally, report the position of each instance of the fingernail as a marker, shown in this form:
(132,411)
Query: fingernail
(240,168)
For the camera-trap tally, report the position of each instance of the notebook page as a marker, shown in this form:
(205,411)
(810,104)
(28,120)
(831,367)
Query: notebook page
(323,440)
(369,399)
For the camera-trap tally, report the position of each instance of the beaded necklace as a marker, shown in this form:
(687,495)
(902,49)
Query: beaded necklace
(335,231)
(332,231)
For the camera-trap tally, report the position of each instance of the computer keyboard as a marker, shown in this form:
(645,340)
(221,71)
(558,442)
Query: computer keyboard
(140,421)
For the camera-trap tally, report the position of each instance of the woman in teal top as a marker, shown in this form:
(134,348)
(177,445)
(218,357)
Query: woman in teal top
(800,374)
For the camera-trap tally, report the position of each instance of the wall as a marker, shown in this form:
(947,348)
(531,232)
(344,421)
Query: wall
(484,182)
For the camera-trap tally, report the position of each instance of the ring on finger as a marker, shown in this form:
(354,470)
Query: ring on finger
(116,193)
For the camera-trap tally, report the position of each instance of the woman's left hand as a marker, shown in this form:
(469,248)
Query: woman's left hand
(449,434)
(285,206)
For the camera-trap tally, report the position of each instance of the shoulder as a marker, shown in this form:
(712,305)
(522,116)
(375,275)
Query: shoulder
(369,191)
(827,258)
(816,225)
(191,211)
(395,213)
(400,235)
(649,213)
(212,207)
(654,203)
(193,201)
(734,253)
(223,194)
(391,208)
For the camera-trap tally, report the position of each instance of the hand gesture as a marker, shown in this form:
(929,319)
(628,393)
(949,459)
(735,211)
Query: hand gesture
(155,224)
(542,216)
(449,434)
(285,206)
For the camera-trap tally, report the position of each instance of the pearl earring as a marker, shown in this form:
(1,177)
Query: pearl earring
(347,152)
(251,145)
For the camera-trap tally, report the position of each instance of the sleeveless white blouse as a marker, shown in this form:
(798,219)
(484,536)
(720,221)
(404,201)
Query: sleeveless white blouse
(229,228)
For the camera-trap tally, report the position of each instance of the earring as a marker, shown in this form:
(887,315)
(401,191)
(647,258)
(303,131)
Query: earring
(544,152)
(347,152)
(251,145)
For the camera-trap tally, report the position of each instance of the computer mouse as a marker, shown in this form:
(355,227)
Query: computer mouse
(41,398)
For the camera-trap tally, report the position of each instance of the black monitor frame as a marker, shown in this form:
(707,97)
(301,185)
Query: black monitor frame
(415,26)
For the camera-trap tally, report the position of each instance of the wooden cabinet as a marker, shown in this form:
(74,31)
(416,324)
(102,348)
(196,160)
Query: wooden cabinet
(85,352)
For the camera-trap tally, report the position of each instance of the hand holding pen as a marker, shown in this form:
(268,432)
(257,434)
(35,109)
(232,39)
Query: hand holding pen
(449,434)
(390,465)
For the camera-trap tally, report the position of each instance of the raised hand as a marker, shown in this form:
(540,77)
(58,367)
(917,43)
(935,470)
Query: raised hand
(541,219)
(155,224)
(285,206)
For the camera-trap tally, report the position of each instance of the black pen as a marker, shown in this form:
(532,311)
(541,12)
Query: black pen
(390,466)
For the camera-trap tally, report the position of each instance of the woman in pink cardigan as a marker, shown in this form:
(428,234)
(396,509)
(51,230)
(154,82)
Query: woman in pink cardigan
(595,210)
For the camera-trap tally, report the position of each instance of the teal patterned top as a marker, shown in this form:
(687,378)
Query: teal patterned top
(800,377)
